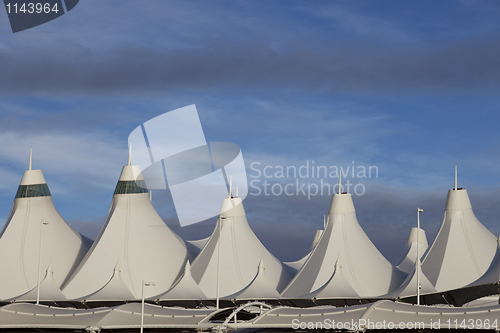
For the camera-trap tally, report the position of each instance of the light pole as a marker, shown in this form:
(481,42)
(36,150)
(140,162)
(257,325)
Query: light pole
(39,262)
(230,196)
(417,263)
(218,261)
(144,284)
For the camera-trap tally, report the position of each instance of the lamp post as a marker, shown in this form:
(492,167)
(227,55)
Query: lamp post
(144,284)
(417,264)
(218,262)
(39,262)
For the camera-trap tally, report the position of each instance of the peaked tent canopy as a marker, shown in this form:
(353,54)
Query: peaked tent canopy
(34,236)
(195,246)
(49,290)
(260,288)
(487,284)
(240,252)
(409,286)
(184,289)
(114,289)
(135,237)
(492,275)
(364,267)
(336,287)
(297,265)
(463,248)
(407,262)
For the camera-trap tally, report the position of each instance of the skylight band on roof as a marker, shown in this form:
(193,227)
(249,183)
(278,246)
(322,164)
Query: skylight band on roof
(131,187)
(31,191)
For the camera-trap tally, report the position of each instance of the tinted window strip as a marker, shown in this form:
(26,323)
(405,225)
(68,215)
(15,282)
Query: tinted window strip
(131,187)
(32,191)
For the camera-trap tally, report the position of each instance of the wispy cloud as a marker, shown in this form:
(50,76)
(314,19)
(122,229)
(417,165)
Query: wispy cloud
(92,159)
(363,25)
(334,67)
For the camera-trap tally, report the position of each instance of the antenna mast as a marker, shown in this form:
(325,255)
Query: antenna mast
(455,177)
(340,182)
(31,157)
(129,153)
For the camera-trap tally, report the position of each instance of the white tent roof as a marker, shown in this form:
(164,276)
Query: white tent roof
(407,262)
(297,265)
(135,237)
(13,279)
(409,286)
(240,252)
(49,290)
(34,236)
(364,267)
(195,246)
(184,289)
(492,275)
(338,286)
(115,289)
(463,248)
(199,243)
(259,288)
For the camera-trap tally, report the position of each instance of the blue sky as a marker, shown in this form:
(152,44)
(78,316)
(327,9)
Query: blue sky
(411,88)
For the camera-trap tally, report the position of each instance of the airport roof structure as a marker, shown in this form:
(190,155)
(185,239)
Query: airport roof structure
(407,261)
(229,260)
(258,289)
(134,245)
(34,237)
(185,288)
(363,266)
(463,248)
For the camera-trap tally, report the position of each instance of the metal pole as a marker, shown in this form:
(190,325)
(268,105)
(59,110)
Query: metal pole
(144,284)
(39,263)
(417,264)
(142,307)
(218,261)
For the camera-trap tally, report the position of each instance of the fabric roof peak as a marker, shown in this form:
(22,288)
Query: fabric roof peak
(337,286)
(341,203)
(407,261)
(33,177)
(409,286)
(49,289)
(232,207)
(131,173)
(259,288)
(337,263)
(261,264)
(115,289)
(457,199)
(185,288)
